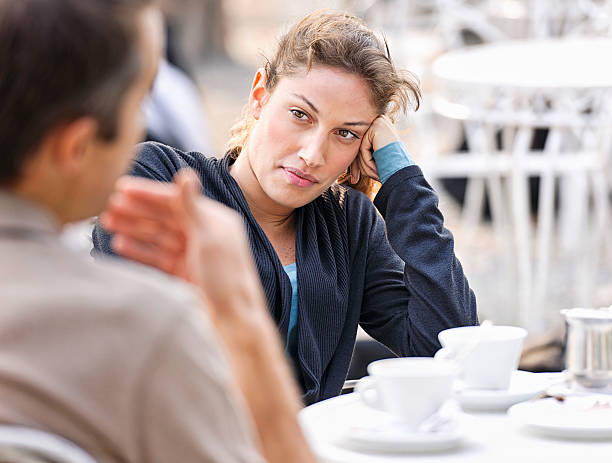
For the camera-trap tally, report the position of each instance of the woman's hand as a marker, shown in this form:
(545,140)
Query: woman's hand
(379,134)
(173,227)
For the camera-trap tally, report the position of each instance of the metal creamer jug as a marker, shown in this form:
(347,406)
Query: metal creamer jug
(589,347)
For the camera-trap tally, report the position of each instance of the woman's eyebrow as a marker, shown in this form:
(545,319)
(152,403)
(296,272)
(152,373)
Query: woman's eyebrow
(367,124)
(305,100)
(316,111)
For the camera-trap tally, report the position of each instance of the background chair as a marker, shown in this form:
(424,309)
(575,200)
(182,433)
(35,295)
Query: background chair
(20,444)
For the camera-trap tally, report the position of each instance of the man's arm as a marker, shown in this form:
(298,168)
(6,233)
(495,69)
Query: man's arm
(173,227)
(266,382)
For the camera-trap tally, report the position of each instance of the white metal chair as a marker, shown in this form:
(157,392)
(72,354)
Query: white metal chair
(500,113)
(19,444)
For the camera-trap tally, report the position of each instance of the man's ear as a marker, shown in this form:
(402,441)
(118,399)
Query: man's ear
(258,93)
(71,143)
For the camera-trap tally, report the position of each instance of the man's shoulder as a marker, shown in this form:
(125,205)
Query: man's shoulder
(122,295)
(125,307)
(141,289)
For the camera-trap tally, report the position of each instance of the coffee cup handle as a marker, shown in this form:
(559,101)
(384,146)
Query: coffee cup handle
(445,354)
(366,389)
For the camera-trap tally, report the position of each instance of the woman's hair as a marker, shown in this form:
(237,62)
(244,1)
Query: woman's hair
(340,40)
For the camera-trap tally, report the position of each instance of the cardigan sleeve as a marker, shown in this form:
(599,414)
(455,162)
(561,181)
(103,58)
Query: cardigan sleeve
(414,284)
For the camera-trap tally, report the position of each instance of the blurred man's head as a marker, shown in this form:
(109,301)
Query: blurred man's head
(73,74)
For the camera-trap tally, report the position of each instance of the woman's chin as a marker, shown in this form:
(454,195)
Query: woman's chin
(290,199)
(294,203)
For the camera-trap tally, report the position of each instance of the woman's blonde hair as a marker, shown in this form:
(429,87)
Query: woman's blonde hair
(340,40)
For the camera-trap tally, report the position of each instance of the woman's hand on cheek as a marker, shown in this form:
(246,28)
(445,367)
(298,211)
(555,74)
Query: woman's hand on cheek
(381,133)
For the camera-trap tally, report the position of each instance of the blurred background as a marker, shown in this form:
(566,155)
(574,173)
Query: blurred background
(514,130)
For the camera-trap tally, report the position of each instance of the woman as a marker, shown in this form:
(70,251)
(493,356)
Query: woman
(319,118)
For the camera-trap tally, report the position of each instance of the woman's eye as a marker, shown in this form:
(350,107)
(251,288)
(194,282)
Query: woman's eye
(299,114)
(347,134)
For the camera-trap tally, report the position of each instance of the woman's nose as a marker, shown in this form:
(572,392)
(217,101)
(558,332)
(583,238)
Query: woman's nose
(313,151)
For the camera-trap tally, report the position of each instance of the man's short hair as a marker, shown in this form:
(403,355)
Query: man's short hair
(61,60)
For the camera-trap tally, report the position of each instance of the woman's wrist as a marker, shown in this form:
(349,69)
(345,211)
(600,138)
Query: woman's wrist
(391,158)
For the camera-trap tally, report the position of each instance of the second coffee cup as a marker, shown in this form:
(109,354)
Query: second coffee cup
(488,354)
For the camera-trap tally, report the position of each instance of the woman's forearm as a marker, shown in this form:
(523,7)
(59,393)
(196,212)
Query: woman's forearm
(416,232)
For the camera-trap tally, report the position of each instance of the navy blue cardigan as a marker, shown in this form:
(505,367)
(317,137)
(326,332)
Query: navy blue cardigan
(401,282)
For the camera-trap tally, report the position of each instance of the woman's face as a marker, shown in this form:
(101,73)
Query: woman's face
(307,132)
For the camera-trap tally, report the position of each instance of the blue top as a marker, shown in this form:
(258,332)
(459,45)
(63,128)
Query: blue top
(390,159)
(291,346)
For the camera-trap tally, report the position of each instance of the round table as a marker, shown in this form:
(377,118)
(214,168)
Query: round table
(489,437)
(531,64)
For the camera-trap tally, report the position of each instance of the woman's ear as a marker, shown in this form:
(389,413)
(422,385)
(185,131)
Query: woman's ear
(258,93)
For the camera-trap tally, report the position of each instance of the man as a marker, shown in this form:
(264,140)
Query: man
(123,361)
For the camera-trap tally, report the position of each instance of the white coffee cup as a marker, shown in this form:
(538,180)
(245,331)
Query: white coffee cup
(412,389)
(488,354)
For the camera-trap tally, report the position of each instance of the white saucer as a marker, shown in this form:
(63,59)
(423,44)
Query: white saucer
(348,430)
(372,431)
(577,417)
(524,385)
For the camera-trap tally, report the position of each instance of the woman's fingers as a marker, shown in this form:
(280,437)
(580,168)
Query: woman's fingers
(364,163)
(355,169)
(379,134)
(368,168)
(383,132)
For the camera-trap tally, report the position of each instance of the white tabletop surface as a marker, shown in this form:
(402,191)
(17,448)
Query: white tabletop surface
(552,63)
(488,437)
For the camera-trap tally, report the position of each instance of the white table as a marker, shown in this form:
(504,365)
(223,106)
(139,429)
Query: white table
(502,93)
(489,438)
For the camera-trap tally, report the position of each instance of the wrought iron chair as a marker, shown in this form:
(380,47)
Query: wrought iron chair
(19,444)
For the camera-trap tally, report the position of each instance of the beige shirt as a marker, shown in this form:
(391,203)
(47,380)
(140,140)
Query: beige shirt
(120,359)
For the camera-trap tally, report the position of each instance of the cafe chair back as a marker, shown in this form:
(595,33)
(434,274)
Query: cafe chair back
(19,444)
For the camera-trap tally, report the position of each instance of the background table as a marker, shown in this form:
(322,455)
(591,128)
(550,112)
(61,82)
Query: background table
(506,95)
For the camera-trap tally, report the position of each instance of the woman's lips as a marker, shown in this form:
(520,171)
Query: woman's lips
(298,178)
